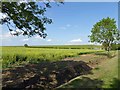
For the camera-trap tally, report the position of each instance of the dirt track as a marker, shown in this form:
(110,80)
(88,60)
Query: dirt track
(91,59)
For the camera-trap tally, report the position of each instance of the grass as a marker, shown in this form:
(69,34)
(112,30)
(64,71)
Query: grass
(103,77)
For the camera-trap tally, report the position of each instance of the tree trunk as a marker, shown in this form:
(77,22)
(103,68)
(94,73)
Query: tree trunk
(109,48)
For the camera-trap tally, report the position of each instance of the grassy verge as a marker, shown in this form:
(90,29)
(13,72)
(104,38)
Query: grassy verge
(105,76)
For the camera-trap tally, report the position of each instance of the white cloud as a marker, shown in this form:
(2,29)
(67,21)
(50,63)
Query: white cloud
(98,44)
(94,43)
(65,27)
(68,25)
(76,40)
(25,40)
(49,40)
(91,43)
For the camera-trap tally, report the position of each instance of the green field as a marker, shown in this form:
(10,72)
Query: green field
(17,55)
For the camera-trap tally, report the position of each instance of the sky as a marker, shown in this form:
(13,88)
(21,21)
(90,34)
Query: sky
(72,23)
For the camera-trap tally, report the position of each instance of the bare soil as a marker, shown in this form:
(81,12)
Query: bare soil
(50,74)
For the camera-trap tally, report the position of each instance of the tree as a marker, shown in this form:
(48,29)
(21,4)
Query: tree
(26,18)
(105,32)
(25,45)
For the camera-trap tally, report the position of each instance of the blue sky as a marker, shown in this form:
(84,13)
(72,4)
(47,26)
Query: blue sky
(72,23)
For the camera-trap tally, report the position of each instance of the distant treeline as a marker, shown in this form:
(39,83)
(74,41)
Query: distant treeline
(69,46)
(114,47)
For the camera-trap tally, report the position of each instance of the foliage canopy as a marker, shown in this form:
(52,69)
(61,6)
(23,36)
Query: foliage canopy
(105,32)
(26,18)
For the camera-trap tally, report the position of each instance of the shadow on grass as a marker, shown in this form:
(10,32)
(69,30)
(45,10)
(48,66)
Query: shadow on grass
(109,55)
(101,53)
(44,75)
(85,82)
(115,84)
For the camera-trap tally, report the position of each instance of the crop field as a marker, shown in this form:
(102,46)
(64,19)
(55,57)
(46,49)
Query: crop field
(17,55)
